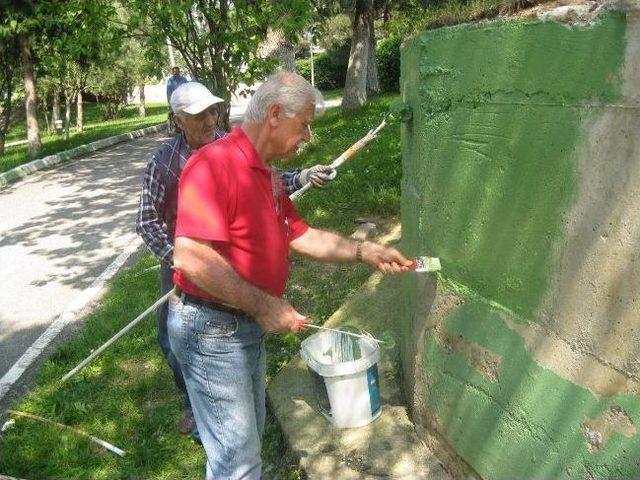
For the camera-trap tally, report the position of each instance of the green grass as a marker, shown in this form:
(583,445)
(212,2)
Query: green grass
(94,129)
(127,396)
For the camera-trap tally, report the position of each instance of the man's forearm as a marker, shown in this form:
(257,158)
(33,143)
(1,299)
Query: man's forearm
(213,275)
(326,246)
(329,247)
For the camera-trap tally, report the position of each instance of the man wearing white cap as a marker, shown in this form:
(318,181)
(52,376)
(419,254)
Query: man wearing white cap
(197,112)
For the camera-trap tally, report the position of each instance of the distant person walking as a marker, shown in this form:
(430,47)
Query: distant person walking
(175,80)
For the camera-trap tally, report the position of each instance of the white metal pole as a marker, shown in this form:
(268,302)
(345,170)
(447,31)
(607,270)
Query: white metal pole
(106,345)
(313,80)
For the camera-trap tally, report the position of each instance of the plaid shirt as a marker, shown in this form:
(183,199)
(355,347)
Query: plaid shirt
(156,222)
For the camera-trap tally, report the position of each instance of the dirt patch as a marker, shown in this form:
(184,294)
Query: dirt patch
(598,430)
(484,361)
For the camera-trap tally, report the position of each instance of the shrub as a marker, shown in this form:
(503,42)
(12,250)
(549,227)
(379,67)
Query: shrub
(388,59)
(330,68)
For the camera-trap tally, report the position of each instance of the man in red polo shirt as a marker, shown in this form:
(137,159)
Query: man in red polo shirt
(234,230)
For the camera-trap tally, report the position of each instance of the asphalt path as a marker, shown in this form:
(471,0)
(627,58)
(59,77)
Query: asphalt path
(59,231)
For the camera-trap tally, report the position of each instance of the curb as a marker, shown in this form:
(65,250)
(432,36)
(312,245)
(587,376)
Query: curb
(34,166)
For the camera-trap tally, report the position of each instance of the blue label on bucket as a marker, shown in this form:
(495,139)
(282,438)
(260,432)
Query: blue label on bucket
(374,391)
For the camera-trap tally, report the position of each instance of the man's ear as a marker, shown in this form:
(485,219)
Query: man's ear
(274,114)
(177,119)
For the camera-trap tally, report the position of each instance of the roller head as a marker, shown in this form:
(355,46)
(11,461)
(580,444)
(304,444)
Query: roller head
(401,111)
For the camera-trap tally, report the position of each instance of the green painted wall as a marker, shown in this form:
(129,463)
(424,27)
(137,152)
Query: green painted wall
(527,423)
(490,158)
(492,165)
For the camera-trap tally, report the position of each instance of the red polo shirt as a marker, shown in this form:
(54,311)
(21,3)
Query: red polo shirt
(227,196)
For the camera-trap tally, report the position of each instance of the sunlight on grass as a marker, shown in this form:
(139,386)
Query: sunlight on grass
(95,129)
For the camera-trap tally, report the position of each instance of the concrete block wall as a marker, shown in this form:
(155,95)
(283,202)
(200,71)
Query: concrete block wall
(521,171)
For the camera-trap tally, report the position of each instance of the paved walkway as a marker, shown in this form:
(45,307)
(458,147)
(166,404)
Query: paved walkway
(59,230)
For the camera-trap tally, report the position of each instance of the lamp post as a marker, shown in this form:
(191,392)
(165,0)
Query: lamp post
(309,37)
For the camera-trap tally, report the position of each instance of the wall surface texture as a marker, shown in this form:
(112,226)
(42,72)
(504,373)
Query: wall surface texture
(522,173)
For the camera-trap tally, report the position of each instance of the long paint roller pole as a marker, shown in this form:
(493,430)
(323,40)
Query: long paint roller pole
(102,443)
(106,345)
(346,155)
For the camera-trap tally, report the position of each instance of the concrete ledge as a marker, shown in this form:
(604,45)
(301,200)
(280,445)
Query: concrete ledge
(22,171)
(389,447)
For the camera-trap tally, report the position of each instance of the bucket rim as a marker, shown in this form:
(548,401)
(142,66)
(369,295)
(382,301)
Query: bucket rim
(340,368)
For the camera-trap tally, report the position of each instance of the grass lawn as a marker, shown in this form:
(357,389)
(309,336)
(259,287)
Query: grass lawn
(94,129)
(127,396)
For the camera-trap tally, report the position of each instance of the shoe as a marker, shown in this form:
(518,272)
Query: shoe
(187,423)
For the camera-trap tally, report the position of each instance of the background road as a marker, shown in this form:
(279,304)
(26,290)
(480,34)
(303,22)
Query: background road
(59,230)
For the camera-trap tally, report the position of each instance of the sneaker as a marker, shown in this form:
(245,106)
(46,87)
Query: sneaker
(187,423)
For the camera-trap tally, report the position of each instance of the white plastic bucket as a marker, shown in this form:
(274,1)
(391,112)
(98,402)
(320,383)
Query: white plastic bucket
(348,393)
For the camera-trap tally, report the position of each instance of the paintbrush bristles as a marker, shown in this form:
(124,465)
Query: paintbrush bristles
(427,264)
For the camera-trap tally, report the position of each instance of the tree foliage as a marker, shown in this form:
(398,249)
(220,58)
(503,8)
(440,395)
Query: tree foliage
(75,36)
(219,37)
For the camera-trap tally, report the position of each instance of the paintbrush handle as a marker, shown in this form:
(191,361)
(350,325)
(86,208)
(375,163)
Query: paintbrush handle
(310,325)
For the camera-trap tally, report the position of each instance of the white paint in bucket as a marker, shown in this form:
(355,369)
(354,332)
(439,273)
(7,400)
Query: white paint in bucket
(348,392)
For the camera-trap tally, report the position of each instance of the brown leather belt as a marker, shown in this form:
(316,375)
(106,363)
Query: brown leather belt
(194,300)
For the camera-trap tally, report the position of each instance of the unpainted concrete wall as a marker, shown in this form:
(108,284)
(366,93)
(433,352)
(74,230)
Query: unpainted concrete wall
(522,173)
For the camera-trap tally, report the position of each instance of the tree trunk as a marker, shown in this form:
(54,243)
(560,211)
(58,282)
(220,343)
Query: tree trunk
(6,110)
(67,115)
(46,117)
(355,88)
(31,108)
(55,109)
(79,113)
(287,56)
(278,45)
(373,82)
(141,109)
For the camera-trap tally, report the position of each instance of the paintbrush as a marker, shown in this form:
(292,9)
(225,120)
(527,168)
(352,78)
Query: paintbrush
(426,264)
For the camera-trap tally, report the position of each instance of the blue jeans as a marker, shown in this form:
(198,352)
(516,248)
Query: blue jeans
(223,361)
(166,284)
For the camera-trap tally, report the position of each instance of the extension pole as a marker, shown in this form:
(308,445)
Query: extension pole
(102,443)
(346,155)
(106,345)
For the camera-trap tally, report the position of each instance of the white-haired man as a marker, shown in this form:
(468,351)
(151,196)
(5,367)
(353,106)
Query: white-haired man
(197,112)
(235,227)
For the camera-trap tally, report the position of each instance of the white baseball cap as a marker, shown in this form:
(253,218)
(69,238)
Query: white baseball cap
(192,98)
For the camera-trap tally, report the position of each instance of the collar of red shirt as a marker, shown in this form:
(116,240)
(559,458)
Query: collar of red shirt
(250,154)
